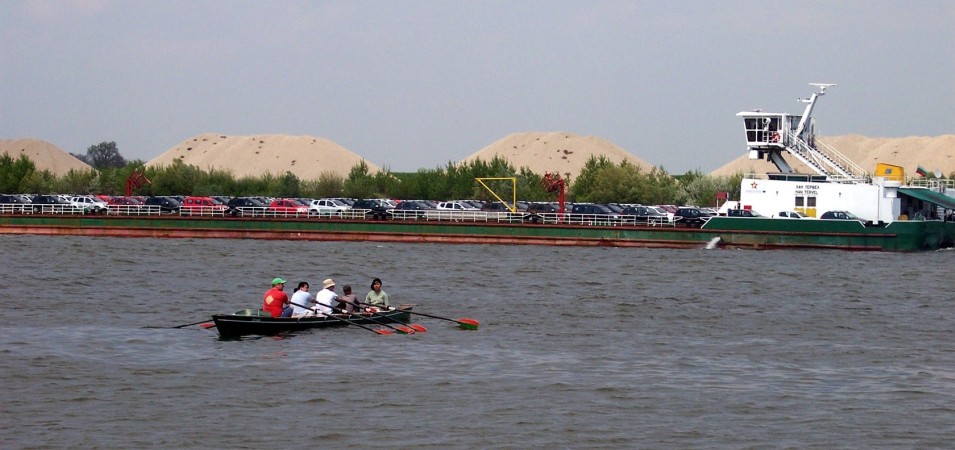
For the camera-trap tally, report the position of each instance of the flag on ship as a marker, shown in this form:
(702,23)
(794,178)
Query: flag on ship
(922,172)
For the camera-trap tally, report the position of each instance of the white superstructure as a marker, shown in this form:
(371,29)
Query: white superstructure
(837,184)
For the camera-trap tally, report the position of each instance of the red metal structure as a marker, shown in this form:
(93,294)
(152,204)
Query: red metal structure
(554,183)
(135,181)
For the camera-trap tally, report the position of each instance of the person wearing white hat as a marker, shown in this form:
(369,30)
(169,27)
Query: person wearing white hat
(326,297)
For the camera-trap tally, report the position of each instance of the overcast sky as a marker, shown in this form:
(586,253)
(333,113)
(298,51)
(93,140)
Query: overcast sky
(415,84)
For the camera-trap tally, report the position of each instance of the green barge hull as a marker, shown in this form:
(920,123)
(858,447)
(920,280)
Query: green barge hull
(723,232)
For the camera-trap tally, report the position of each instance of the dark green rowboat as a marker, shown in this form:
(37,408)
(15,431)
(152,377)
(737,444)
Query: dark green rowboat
(248,322)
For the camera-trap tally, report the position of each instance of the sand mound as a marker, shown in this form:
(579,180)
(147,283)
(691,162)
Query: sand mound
(932,153)
(561,152)
(252,156)
(45,156)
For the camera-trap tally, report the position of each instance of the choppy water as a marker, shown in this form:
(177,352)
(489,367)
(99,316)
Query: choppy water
(578,347)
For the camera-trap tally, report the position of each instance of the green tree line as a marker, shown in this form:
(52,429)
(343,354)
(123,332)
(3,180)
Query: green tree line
(600,181)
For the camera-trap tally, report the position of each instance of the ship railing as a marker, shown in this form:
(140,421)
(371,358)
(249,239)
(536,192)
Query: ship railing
(204,211)
(16,208)
(326,213)
(460,215)
(826,160)
(248,211)
(58,209)
(287,213)
(151,210)
(855,172)
(131,210)
(936,184)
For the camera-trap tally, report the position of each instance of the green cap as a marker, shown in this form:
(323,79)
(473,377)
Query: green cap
(277,281)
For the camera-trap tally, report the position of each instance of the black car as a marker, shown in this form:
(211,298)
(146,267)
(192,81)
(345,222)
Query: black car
(245,206)
(7,199)
(543,212)
(592,214)
(742,213)
(165,204)
(50,203)
(375,207)
(643,215)
(839,215)
(411,209)
(13,204)
(691,216)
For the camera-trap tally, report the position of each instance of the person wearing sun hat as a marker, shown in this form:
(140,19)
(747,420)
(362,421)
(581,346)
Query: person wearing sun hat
(275,301)
(326,298)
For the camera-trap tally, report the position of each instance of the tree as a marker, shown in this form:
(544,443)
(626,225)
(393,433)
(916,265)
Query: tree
(13,172)
(103,155)
(584,183)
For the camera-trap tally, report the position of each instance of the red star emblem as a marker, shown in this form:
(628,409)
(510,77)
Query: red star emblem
(753,185)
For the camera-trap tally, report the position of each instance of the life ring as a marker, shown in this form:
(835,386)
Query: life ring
(775,137)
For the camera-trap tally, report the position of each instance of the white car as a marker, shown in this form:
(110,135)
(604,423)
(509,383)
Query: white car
(89,203)
(791,215)
(456,206)
(327,207)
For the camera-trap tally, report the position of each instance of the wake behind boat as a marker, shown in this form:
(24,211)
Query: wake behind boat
(255,322)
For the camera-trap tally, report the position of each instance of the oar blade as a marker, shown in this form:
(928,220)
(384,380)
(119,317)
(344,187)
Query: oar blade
(207,325)
(468,323)
(418,328)
(405,329)
(383,331)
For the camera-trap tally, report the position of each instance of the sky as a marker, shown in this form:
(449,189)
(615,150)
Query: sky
(415,84)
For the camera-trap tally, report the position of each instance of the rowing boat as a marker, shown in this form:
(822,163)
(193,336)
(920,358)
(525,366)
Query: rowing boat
(249,322)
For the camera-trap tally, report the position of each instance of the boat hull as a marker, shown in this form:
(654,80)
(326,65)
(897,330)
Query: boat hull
(730,231)
(835,234)
(238,325)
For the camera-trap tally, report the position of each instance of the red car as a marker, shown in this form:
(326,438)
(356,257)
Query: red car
(287,206)
(124,201)
(203,205)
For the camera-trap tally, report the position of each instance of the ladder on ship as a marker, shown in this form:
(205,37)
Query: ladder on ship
(769,135)
(825,160)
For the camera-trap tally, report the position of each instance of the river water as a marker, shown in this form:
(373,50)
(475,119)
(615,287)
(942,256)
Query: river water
(578,347)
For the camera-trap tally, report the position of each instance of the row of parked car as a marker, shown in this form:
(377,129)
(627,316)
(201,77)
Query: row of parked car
(534,212)
(208,205)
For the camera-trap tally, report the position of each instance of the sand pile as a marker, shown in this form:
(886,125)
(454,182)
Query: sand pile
(932,153)
(252,156)
(560,152)
(45,156)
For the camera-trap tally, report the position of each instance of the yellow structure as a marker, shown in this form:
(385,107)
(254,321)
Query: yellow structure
(512,206)
(890,172)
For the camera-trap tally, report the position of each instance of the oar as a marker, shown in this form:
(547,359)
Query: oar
(348,321)
(404,329)
(414,328)
(195,323)
(464,322)
(401,328)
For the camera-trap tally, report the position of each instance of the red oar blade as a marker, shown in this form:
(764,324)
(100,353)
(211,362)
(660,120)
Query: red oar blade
(418,328)
(404,329)
(468,323)
(207,324)
(384,331)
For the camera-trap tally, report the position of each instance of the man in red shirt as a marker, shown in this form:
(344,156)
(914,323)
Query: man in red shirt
(275,301)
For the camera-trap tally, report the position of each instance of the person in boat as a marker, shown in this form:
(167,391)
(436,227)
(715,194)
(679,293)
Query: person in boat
(275,301)
(302,301)
(377,297)
(348,302)
(326,298)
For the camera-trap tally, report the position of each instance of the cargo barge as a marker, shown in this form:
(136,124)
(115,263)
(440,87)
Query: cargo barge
(722,232)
